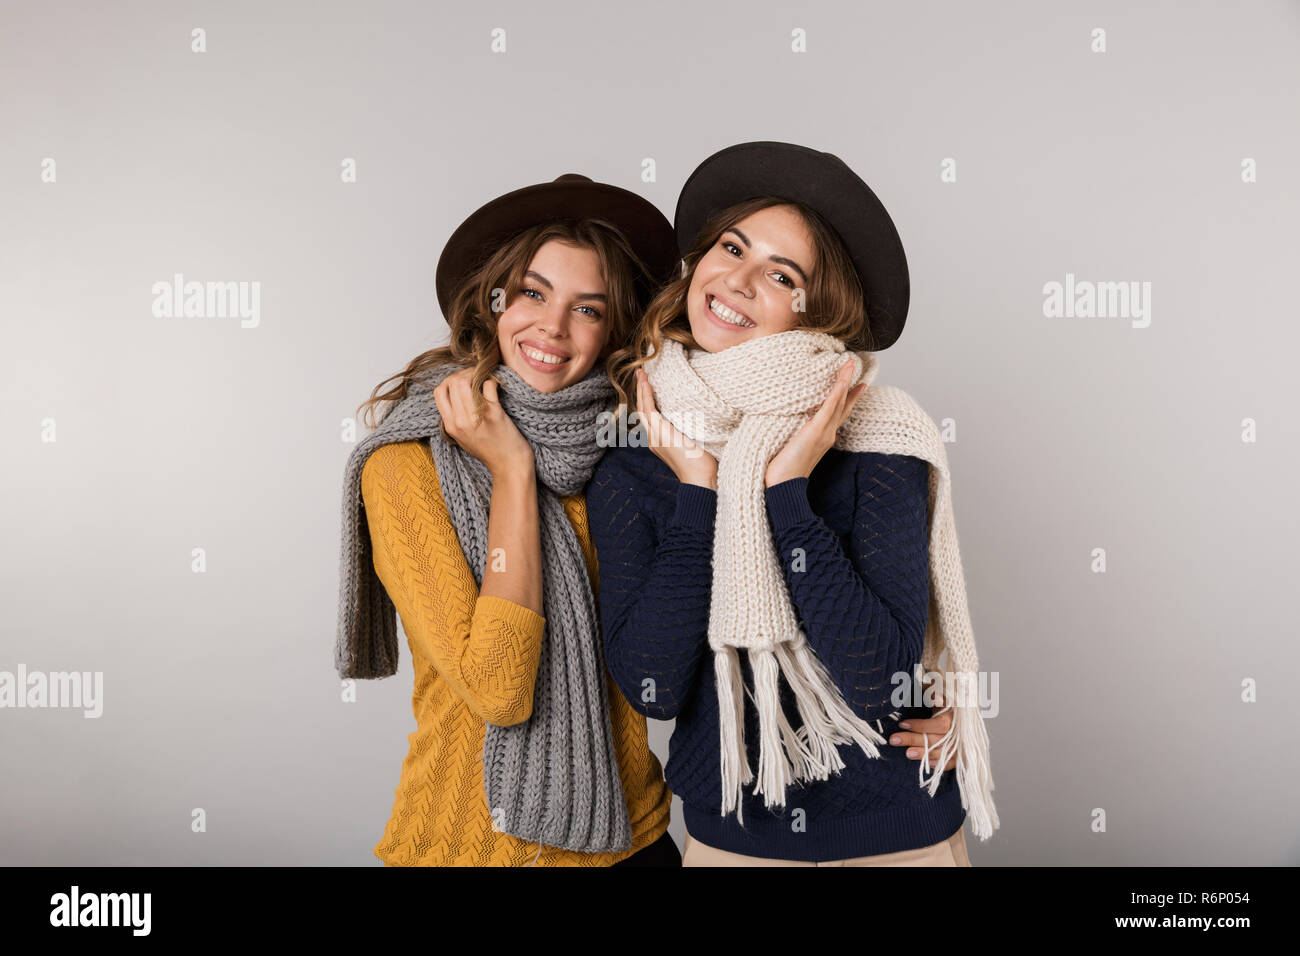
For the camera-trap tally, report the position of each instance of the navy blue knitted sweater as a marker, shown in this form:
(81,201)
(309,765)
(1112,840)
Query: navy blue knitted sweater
(863,598)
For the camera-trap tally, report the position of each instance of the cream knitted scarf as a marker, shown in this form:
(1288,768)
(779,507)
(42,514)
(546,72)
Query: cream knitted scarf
(741,405)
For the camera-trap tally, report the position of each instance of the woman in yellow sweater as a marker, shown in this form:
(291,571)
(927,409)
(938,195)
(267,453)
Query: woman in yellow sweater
(536,294)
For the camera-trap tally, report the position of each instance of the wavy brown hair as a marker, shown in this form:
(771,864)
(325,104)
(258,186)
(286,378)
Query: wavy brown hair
(473,322)
(835,303)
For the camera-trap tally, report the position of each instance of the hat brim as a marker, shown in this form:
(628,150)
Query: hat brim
(825,184)
(647,230)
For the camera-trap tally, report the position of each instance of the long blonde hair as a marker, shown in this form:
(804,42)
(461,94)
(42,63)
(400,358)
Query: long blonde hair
(835,302)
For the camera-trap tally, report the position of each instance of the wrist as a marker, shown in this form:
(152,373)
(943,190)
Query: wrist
(788,504)
(704,477)
(775,476)
(516,471)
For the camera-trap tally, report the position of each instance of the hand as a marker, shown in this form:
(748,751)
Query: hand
(690,463)
(933,728)
(816,436)
(493,439)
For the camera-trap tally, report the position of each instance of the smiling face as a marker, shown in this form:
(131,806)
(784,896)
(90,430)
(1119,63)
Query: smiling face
(553,332)
(744,286)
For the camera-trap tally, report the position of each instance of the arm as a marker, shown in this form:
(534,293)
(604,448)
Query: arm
(485,646)
(654,593)
(514,532)
(864,612)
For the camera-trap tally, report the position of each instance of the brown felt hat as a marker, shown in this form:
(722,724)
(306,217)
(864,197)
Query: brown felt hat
(570,196)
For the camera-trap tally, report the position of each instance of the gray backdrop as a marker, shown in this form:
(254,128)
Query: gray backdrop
(1164,436)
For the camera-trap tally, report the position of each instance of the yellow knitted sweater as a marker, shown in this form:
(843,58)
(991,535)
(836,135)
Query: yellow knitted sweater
(475,659)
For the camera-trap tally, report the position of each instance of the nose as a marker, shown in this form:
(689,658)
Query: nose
(741,278)
(555,321)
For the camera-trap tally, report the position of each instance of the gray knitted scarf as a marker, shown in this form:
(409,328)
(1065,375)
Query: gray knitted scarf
(552,779)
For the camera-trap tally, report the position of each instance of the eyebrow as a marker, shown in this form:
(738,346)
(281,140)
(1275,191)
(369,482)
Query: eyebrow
(782,260)
(598,296)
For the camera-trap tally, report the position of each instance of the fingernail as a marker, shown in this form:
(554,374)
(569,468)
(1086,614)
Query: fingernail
(896,739)
(913,752)
(905,724)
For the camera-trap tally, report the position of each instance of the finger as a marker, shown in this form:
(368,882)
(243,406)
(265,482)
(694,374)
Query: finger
(647,417)
(844,379)
(655,422)
(649,392)
(442,394)
(848,391)
(850,400)
(917,738)
(641,399)
(916,750)
(454,393)
(935,726)
(448,425)
(927,725)
(492,411)
(465,395)
(830,408)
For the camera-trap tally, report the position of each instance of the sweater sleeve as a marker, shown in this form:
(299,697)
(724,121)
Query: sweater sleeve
(864,602)
(487,648)
(655,582)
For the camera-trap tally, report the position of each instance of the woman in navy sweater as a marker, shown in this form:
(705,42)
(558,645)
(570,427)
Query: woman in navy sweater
(862,590)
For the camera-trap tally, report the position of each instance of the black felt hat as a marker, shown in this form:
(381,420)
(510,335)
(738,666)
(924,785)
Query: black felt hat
(824,183)
(570,196)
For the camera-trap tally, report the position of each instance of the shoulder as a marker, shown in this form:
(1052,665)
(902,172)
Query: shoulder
(874,467)
(631,461)
(395,466)
(896,411)
(893,483)
(630,475)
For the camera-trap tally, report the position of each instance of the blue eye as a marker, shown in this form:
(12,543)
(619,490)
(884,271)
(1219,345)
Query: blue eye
(530,292)
(590,311)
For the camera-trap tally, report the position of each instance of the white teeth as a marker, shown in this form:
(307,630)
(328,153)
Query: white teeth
(546,357)
(728,315)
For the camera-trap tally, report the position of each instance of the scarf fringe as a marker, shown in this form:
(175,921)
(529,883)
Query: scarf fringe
(788,756)
(818,730)
(968,738)
(731,724)
(775,768)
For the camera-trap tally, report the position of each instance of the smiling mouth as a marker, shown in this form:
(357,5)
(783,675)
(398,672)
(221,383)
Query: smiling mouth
(730,316)
(548,361)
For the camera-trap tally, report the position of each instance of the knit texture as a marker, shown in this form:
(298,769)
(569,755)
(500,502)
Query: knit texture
(741,405)
(475,660)
(554,777)
(854,555)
